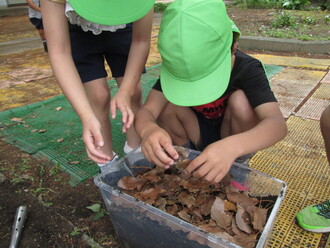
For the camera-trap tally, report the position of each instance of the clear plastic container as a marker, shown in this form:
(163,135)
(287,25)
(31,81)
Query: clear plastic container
(140,225)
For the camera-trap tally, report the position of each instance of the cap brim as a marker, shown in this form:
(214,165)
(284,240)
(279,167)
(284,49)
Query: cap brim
(113,12)
(199,92)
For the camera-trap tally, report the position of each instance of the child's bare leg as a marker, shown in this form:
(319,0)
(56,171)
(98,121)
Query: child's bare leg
(239,116)
(325,130)
(181,124)
(133,139)
(98,94)
(43,39)
(42,34)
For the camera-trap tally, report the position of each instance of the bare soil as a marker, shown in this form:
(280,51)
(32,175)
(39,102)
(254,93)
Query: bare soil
(307,25)
(57,213)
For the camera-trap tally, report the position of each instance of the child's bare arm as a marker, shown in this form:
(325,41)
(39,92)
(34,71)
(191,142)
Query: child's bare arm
(156,142)
(33,6)
(217,158)
(59,51)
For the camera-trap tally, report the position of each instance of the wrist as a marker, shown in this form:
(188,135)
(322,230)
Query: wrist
(147,129)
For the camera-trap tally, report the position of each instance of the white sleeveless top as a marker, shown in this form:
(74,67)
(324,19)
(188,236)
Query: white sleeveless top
(75,19)
(33,13)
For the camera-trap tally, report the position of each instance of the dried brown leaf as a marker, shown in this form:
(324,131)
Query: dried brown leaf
(151,193)
(207,205)
(212,229)
(151,176)
(182,165)
(171,182)
(196,212)
(219,214)
(131,183)
(241,198)
(172,209)
(195,184)
(229,206)
(243,219)
(74,162)
(183,214)
(259,218)
(186,199)
(19,120)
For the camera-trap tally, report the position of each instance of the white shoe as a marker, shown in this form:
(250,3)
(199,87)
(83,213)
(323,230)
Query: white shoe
(109,164)
(128,149)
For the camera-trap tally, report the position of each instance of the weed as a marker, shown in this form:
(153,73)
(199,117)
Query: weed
(295,4)
(75,231)
(17,179)
(48,204)
(327,19)
(285,19)
(54,170)
(308,20)
(160,7)
(99,212)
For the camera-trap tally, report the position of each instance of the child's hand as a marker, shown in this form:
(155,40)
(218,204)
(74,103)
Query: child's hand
(122,102)
(94,141)
(213,163)
(157,147)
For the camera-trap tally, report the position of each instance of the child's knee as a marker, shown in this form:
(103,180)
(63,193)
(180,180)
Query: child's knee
(239,104)
(325,118)
(240,109)
(101,99)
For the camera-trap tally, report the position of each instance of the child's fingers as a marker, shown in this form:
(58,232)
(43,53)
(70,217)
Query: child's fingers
(93,144)
(113,109)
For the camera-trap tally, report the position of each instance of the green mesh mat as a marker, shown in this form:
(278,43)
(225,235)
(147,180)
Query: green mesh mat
(51,131)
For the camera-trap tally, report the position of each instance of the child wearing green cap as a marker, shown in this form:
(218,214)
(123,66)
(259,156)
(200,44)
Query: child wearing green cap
(209,94)
(81,35)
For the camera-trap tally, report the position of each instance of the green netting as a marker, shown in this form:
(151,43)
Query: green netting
(55,135)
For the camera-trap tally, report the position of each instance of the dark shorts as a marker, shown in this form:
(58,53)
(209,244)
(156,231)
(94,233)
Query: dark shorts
(89,52)
(209,130)
(37,23)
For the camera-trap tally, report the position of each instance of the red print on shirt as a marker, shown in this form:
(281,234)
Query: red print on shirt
(213,110)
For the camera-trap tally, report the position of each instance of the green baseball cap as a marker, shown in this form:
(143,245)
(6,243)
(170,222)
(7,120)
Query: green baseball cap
(235,30)
(195,41)
(112,12)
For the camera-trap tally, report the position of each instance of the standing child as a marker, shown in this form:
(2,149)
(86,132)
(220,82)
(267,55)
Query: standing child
(209,93)
(81,34)
(36,19)
(316,218)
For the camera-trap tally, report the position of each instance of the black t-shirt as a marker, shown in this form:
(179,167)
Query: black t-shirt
(248,74)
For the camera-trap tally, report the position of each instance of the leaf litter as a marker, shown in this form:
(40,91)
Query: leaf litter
(219,208)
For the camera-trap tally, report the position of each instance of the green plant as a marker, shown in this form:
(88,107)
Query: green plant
(308,20)
(285,19)
(295,4)
(160,7)
(54,170)
(99,212)
(327,19)
(75,231)
(325,4)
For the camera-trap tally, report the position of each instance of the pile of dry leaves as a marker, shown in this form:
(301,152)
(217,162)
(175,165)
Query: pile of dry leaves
(220,208)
